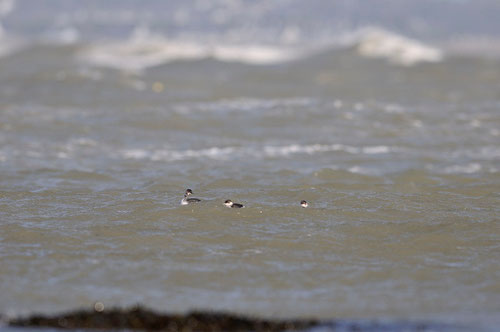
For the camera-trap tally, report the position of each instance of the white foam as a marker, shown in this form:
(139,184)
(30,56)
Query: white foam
(467,169)
(277,106)
(63,155)
(376,149)
(211,153)
(83,141)
(135,154)
(226,153)
(360,170)
(145,49)
(378,43)
(483,153)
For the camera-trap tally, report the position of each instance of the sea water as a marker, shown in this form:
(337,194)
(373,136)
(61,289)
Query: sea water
(386,122)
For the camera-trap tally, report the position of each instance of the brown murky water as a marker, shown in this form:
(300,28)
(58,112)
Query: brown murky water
(399,164)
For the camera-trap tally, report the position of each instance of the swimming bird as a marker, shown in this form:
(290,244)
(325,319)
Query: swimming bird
(185,200)
(304,204)
(229,203)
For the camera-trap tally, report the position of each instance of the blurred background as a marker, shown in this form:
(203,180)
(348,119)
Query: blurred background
(384,115)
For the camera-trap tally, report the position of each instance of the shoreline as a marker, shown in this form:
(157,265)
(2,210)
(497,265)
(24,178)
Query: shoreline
(141,318)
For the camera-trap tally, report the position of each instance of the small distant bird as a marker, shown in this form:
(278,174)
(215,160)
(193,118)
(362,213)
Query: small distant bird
(304,204)
(229,203)
(185,200)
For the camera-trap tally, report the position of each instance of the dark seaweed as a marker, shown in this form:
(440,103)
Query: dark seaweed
(140,318)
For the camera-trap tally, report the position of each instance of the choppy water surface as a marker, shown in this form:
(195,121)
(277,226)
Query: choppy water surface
(398,157)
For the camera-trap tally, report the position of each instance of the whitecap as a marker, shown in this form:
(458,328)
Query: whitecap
(145,49)
(375,42)
(467,169)
(376,149)
(360,170)
(135,154)
(83,141)
(227,153)
(243,104)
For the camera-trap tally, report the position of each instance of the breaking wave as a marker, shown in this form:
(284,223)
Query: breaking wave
(224,153)
(378,43)
(145,49)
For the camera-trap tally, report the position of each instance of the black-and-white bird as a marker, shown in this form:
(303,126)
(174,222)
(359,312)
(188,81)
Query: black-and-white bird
(304,204)
(188,200)
(229,203)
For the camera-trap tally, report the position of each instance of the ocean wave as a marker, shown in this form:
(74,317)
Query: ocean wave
(244,104)
(145,49)
(466,169)
(374,42)
(463,168)
(225,153)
